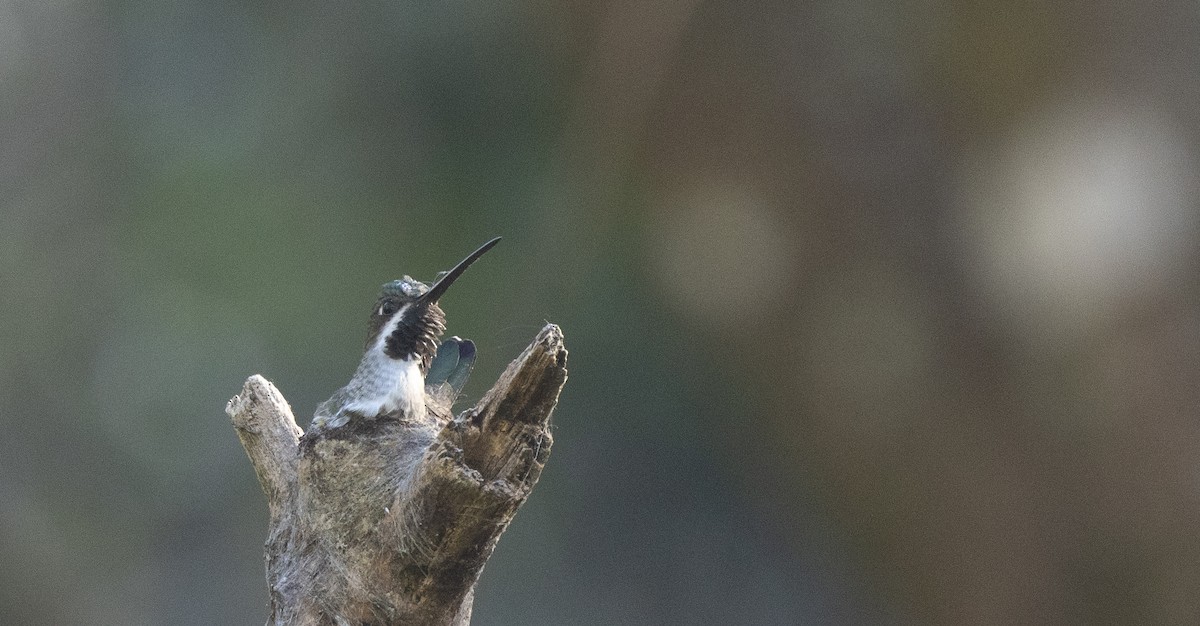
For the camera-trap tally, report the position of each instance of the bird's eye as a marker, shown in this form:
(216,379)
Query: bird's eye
(387,308)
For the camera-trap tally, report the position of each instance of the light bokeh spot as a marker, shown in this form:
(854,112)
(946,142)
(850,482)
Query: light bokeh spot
(723,256)
(1080,210)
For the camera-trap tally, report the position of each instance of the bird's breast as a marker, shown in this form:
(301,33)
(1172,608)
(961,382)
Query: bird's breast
(390,386)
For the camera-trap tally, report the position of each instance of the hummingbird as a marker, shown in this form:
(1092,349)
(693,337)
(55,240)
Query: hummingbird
(402,354)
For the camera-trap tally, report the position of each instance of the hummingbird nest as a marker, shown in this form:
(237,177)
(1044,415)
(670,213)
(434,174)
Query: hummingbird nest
(390,522)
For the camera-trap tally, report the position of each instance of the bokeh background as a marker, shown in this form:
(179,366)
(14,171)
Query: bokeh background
(878,312)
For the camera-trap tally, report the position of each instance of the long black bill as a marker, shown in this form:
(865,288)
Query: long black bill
(435,292)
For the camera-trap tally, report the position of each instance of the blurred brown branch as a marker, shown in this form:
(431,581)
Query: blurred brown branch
(382,522)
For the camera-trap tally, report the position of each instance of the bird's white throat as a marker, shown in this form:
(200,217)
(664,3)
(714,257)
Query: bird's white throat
(387,385)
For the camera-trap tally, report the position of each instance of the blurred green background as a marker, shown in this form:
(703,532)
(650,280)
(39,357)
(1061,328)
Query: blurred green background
(878,312)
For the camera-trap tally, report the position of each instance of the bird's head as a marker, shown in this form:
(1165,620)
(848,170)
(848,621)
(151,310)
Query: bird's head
(413,306)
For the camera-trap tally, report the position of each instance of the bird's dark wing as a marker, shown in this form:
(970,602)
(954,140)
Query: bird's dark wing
(450,370)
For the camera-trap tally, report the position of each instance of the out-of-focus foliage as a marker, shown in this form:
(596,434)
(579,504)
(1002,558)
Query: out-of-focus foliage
(879,312)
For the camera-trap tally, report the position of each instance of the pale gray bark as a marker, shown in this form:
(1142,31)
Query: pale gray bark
(387,522)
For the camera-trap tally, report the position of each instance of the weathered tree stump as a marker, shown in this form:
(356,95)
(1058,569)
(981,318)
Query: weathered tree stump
(388,522)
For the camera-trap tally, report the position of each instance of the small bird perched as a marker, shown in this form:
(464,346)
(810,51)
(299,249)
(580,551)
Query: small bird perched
(401,349)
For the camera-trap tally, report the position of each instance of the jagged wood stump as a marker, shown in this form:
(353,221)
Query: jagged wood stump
(383,522)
